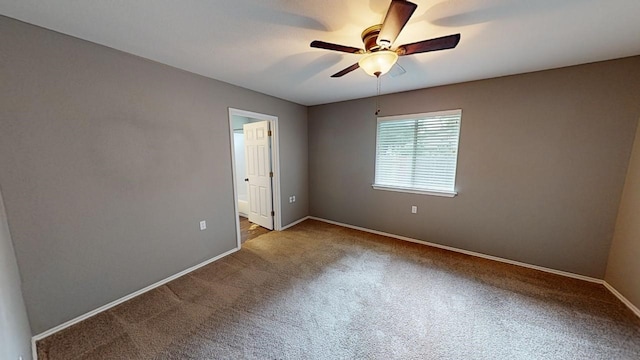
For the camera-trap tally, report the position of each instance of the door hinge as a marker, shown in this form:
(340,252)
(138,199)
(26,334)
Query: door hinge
(273,213)
(270,173)
(269,133)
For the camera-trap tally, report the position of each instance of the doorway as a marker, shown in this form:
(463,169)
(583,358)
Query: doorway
(256,175)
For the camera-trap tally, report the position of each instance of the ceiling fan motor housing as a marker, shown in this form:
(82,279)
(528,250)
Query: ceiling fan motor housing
(370,36)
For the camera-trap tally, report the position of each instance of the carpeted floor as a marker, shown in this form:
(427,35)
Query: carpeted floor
(318,291)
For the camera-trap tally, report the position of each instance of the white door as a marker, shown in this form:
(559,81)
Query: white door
(259,175)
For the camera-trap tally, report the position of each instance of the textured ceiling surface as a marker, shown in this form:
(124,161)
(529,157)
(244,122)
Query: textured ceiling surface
(264,45)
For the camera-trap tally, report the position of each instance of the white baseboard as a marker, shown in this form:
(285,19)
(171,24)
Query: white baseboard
(89,314)
(466,252)
(622,298)
(615,292)
(294,223)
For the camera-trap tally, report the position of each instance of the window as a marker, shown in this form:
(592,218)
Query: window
(418,153)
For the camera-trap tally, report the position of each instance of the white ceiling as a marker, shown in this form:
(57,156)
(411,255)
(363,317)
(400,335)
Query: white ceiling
(264,45)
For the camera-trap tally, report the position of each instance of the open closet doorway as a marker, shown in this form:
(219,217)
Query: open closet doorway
(256,172)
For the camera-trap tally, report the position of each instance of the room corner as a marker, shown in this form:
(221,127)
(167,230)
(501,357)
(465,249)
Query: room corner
(623,271)
(15,341)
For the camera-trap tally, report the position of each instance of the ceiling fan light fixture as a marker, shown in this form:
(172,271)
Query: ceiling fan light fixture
(379,62)
(378,58)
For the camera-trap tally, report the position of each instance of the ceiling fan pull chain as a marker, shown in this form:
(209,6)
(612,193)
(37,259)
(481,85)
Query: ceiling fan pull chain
(379,80)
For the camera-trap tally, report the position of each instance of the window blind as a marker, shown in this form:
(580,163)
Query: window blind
(418,152)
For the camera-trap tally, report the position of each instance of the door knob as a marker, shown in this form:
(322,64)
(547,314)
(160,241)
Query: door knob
(247,179)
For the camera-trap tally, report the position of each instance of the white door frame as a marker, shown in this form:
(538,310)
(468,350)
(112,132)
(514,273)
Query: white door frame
(275,158)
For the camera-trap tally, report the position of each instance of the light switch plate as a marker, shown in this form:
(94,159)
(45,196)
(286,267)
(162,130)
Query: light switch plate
(203,225)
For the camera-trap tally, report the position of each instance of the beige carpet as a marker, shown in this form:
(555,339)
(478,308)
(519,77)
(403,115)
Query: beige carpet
(318,291)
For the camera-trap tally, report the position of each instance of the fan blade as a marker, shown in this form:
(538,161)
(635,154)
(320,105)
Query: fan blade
(397,16)
(346,71)
(329,46)
(441,43)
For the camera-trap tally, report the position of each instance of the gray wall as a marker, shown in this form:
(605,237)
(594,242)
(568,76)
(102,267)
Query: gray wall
(15,334)
(541,165)
(623,269)
(294,156)
(107,163)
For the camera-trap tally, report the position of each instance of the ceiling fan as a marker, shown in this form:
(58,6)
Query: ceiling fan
(377,56)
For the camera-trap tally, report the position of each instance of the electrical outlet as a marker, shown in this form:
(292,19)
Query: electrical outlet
(293,198)
(203,225)
(414,209)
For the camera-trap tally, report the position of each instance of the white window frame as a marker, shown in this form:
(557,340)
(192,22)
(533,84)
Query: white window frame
(413,190)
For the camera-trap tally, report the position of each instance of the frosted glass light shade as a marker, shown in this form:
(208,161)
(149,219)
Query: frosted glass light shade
(378,63)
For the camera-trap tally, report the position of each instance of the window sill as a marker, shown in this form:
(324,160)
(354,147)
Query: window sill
(416,191)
